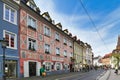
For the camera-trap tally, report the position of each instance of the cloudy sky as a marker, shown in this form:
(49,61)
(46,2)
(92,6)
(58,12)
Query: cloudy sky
(104,13)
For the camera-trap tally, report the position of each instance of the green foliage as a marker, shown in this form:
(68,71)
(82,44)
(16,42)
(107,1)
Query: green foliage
(116,58)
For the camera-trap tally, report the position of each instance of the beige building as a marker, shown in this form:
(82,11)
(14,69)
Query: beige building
(78,54)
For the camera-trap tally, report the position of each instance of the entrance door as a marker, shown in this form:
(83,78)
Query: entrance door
(11,68)
(32,68)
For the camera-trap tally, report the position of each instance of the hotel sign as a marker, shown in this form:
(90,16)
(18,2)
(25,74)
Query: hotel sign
(57,58)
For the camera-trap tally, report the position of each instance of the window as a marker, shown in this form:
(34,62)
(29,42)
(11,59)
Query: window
(58,66)
(32,23)
(65,66)
(47,31)
(57,36)
(47,48)
(71,54)
(65,41)
(70,44)
(48,66)
(31,44)
(11,39)
(65,53)
(32,6)
(57,51)
(10,14)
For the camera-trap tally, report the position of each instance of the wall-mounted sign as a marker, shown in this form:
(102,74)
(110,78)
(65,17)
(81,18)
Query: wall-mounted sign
(57,58)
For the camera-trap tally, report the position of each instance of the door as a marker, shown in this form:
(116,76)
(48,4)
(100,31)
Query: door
(32,68)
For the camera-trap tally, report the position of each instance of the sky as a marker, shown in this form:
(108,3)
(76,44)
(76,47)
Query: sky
(105,14)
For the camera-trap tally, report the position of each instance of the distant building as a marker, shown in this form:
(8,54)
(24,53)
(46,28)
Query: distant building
(106,60)
(115,51)
(97,61)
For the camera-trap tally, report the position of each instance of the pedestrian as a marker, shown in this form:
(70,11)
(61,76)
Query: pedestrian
(42,71)
(116,69)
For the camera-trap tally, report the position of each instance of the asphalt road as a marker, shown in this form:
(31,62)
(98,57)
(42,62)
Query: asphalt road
(92,75)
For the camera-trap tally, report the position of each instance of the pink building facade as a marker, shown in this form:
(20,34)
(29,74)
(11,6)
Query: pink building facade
(42,43)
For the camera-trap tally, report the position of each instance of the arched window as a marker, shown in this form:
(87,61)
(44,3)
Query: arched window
(58,66)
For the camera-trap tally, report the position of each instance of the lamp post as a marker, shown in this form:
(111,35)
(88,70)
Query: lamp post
(4,44)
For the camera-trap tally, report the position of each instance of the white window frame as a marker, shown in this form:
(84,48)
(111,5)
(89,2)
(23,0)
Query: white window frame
(71,54)
(15,39)
(57,36)
(47,65)
(30,23)
(57,50)
(65,40)
(56,64)
(70,44)
(45,31)
(45,48)
(35,44)
(15,17)
(65,52)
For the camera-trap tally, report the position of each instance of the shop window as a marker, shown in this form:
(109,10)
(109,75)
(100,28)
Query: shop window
(58,66)
(48,66)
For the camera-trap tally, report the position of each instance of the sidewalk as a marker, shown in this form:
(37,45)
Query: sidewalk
(109,75)
(113,76)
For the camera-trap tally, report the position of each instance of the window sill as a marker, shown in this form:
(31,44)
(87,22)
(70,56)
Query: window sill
(65,43)
(15,23)
(11,48)
(32,49)
(57,40)
(47,35)
(47,52)
(57,54)
(65,56)
(29,26)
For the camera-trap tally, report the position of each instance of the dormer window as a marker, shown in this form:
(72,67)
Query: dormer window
(32,6)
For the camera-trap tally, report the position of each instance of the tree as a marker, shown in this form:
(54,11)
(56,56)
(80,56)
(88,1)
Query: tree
(116,59)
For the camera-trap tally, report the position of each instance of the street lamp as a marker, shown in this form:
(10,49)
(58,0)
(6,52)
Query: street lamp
(4,44)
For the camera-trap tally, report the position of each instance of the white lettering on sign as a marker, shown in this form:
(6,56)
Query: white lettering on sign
(57,58)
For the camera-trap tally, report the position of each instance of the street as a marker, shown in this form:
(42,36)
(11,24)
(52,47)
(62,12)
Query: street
(91,75)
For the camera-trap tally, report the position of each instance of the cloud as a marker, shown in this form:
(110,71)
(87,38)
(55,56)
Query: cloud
(76,25)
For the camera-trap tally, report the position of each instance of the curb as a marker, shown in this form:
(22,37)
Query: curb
(104,76)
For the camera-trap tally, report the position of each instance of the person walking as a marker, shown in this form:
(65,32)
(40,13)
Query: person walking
(116,69)
(42,71)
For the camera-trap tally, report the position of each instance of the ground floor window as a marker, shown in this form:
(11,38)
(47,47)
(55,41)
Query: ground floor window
(65,66)
(11,68)
(48,66)
(58,66)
